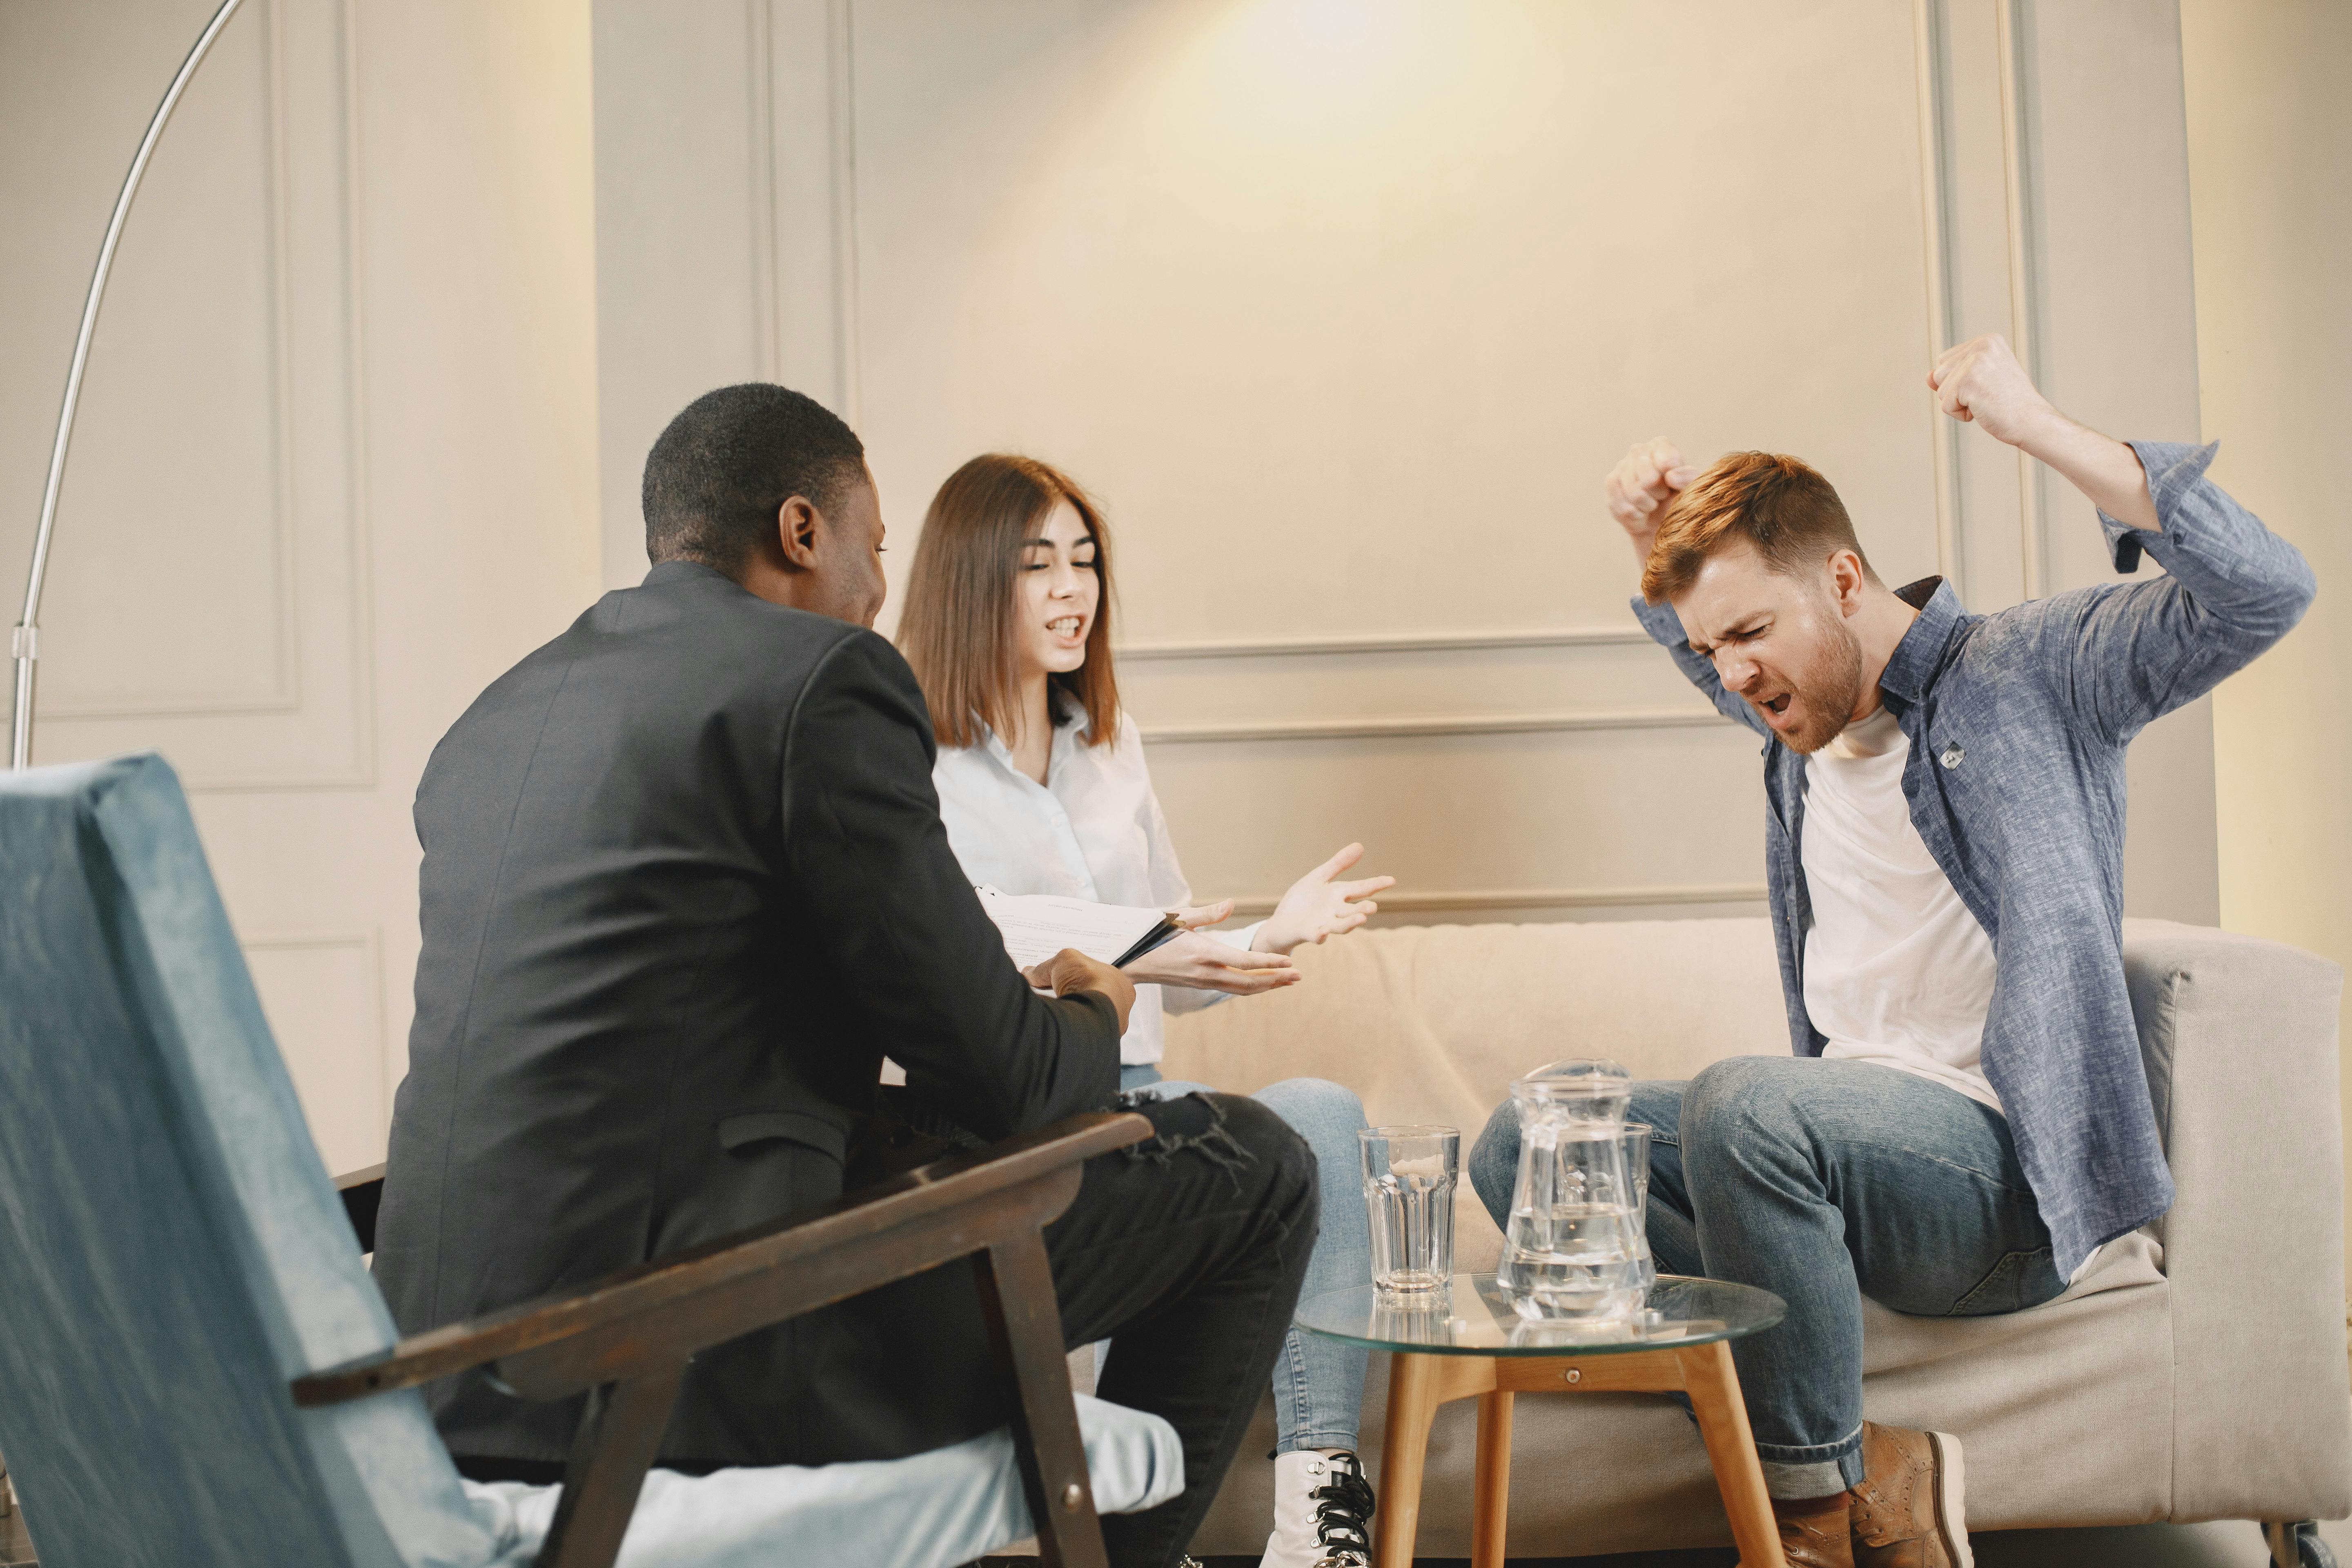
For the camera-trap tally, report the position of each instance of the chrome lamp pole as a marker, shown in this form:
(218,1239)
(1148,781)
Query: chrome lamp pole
(26,646)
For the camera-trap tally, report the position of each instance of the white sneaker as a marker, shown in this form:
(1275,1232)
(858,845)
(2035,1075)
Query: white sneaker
(1322,1511)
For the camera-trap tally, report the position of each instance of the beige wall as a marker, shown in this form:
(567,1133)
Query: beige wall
(2270,141)
(336,464)
(1343,309)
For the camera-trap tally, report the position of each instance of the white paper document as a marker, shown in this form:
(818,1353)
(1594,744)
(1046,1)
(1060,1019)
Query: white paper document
(1036,926)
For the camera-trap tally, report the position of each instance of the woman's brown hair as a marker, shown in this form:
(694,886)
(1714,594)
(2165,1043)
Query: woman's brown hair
(956,628)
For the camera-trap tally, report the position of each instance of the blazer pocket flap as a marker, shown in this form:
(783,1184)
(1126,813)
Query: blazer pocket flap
(789,1126)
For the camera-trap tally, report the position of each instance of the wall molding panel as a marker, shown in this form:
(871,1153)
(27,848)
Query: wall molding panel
(759,62)
(841,66)
(1469,899)
(1023,233)
(283,690)
(1935,180)
(309,723)
(1436,724)
(2018,157)
(1390,643)
(323,992)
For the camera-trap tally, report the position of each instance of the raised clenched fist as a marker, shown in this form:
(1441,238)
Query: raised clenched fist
(1982,382)
(1638,488)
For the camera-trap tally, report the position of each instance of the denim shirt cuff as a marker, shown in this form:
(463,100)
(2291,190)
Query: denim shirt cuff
(2174,469)
(1664,627)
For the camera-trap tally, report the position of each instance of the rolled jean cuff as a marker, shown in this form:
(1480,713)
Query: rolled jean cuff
(1298,1442)
(1793,1474)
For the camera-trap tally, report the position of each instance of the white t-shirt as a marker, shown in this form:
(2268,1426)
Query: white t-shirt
(1897,970)
(1092,831)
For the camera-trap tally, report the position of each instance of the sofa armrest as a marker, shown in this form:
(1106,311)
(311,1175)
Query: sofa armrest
(2239,1037)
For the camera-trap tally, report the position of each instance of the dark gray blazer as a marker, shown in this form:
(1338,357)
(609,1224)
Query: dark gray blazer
(685,885)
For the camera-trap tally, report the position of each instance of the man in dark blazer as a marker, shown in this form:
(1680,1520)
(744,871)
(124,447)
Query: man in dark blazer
(685,885)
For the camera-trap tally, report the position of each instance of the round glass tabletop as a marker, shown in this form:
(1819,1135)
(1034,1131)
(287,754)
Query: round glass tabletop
(1471,1316)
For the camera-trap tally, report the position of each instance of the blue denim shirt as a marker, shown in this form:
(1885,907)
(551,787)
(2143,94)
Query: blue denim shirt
(2018,722)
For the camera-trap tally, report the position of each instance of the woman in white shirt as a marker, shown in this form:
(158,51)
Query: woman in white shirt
(1044,789)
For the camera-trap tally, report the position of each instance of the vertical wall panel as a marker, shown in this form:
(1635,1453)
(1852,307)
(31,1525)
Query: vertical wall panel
(684,227)
(336,468)
(1343,311)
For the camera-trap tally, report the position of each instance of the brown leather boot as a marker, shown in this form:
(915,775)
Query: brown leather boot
(1908,1511)
(1816,1531)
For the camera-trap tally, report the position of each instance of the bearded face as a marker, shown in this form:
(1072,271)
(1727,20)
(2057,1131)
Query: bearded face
(1778,642)
(1822,688)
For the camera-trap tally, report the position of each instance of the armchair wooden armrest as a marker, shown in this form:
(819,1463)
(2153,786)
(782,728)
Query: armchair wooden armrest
(627,1338)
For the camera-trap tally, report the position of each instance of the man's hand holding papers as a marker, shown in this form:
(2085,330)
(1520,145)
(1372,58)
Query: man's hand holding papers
(1070,970)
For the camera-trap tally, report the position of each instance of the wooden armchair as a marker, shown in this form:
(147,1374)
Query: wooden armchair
(199,1370)
(627,1338)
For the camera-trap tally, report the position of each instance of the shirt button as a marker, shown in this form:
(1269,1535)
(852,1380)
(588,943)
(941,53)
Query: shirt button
(1952,754)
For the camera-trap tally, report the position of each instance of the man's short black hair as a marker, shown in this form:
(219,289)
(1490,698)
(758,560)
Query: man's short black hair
(718,475)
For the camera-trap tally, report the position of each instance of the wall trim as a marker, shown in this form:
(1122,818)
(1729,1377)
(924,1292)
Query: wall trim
(287,941)
(369,942)
(285,687)
(327,39)
(1434,724)
(1544,898)
(359,519)
(2017,162)
(359,580)
(1935,181)
(767,311)
(1390,642)
(841,64)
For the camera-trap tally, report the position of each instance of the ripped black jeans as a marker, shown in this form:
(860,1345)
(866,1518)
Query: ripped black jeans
(1823,1181)
(1187,1253)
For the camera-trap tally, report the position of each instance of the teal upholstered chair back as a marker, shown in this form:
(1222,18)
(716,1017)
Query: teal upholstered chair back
(171,1249)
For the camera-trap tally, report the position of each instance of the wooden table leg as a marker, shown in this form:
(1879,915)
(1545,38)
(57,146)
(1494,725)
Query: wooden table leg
(1491,1503)
(1412,1404)
(1714,1390)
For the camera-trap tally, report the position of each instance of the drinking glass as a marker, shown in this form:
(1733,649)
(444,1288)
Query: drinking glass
(1409,1178)
(1637,1161)
(1575,1246)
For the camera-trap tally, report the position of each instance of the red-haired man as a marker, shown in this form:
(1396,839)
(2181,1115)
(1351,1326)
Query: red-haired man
(1965,1120)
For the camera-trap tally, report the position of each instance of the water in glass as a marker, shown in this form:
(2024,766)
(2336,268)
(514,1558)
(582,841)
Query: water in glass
(1409,1180)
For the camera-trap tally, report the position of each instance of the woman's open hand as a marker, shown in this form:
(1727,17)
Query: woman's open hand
(1205,963)
(1317,907)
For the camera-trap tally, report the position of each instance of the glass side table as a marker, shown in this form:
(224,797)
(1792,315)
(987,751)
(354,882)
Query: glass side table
(1465,1338)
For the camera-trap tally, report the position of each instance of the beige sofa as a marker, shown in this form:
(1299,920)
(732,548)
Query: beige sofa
(2197,1372)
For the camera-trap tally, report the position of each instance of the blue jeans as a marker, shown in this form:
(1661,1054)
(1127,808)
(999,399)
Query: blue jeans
(1823,1181)
(1318,1384)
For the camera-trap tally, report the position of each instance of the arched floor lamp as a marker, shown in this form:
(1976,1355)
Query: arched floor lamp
(26,647)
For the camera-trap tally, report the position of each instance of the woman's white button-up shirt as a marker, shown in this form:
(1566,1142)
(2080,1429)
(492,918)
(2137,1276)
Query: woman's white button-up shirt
(1092,831)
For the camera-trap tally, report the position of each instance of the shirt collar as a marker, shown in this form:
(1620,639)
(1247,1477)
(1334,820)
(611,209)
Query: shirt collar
(1074,721)
(1917,658)
(1068,730)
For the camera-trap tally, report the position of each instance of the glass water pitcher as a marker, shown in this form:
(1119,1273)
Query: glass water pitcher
(1576,1246)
